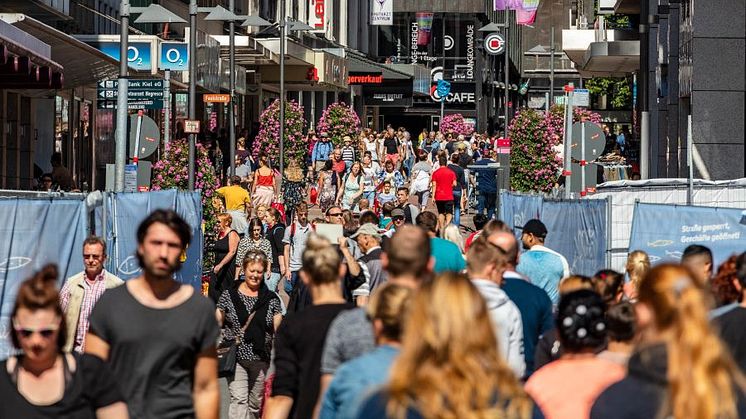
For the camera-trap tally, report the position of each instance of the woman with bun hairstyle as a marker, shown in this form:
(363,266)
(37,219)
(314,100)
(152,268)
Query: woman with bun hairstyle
(449,365)
(567,388)
(43,381)
(680,369)
(300,339)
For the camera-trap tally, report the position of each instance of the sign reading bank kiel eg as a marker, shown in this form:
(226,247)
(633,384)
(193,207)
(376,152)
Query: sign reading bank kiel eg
(141,94)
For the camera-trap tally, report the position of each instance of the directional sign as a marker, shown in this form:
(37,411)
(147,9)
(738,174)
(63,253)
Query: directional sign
(131,94)
(132,104)
(494,43)
(134,84)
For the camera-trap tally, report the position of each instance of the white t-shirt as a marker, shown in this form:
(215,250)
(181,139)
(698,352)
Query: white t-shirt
(370,175)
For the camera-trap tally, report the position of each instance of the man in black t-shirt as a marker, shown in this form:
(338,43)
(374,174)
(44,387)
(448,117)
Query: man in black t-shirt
(157,335)
(731,323)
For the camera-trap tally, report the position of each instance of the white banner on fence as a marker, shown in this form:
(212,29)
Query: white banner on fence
(381,12)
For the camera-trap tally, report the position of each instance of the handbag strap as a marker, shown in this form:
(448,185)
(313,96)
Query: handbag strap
(240,311)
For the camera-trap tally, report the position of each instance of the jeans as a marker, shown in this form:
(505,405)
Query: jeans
(456,207)
(486,200)
(247,389)
(273,280)
(290,284)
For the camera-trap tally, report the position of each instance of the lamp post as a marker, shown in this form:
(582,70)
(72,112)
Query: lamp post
(294,26)
(219,13)
(151,14)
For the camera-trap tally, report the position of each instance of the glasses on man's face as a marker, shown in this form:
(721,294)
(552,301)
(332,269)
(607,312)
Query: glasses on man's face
(398,219)
(26,332)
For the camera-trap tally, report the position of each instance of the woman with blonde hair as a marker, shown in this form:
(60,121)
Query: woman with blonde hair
(680,368)
(356,378)
(453,235)
(449,366)
(300,338)
(638,265)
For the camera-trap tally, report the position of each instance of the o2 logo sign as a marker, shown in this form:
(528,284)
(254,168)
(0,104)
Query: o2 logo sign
(138,54)
(174,56)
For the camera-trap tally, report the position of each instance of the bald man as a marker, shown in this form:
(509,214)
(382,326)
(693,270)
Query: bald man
(532,301)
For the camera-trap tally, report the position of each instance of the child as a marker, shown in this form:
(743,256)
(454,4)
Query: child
(387,195)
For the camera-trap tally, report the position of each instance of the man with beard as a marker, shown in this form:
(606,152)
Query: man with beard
(157,335)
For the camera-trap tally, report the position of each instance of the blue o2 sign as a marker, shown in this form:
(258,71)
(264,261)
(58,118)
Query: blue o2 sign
(138,54)
(173,56)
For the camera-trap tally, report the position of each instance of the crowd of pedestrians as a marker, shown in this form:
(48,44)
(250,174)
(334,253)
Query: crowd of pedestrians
(379,308)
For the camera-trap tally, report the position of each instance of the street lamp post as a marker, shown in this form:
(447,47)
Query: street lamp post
(232,87)
(192,85)
(121,133)
(294,26)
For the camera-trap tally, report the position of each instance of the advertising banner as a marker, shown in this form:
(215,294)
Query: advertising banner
(317,15)
(173,56)
(381,12)
(664,231)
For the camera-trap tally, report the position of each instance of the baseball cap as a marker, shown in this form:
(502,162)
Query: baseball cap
(324,134)
(397,212)
(535,227)
(368,229)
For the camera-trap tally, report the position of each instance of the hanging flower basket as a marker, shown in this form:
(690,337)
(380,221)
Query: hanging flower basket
(339,120)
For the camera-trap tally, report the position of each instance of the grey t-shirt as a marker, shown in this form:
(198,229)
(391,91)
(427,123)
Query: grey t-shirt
(300,236)
(350,335)
(152,352)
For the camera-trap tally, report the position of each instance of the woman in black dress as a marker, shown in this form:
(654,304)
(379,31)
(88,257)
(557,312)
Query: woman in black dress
(225,254)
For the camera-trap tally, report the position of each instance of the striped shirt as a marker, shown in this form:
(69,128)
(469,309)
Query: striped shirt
(91,294)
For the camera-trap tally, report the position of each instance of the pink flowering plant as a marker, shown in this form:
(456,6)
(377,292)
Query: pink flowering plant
(172,171)
(535,165)
(268,139)
(339,120)
(454,123)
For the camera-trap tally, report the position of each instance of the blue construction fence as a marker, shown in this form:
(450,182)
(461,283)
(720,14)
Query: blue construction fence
(37,230)
(577,229)
(663,231)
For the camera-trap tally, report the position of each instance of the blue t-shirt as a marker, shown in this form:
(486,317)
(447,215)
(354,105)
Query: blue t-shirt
(447,256)
(545,269)
(355,380)
(486,178)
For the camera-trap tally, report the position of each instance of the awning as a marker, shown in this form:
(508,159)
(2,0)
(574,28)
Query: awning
(248,51)
(25,61)
(615,57)
(83,64)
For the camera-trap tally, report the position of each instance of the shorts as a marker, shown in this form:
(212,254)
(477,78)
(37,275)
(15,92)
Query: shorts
(444,207)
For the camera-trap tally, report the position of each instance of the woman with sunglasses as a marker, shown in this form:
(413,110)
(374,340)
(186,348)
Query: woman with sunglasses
(45,382)
(253,240)
(250,314)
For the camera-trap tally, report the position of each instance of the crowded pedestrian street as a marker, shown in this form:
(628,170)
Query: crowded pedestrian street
(372,209)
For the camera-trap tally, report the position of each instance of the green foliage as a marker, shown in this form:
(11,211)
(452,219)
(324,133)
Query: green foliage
(618,90)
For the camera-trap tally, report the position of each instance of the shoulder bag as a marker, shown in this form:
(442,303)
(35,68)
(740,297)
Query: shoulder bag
(228,349)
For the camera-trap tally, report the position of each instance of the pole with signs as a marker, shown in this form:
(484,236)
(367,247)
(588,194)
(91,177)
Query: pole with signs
(120,156)
(582,160)
(166,110)
(507,75)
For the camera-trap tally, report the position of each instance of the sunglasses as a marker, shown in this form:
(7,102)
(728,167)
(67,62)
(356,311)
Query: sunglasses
(395,219)
(336,214)
(27,332)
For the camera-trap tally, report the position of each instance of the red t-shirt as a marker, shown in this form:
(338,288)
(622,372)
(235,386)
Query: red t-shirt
(444,178)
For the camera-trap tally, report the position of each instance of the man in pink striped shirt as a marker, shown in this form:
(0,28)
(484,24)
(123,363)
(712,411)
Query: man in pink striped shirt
(81,292)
